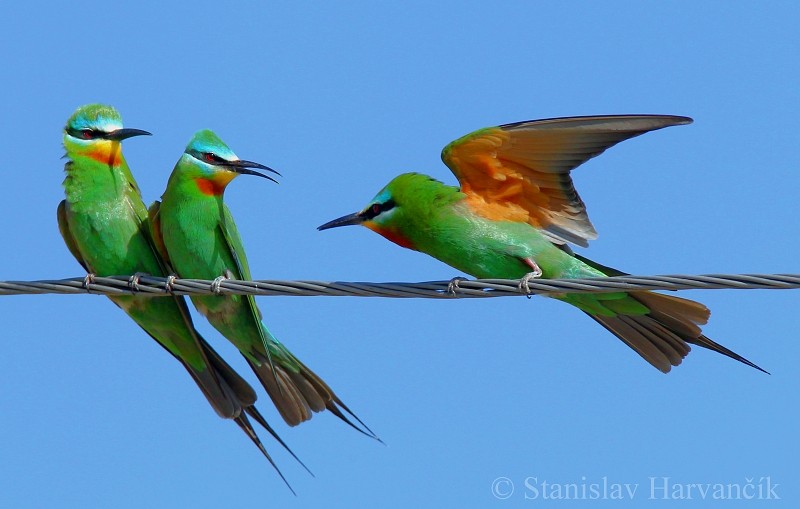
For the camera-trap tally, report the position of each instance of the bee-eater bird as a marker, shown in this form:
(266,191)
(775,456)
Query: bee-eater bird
(516,211)
(104,223)
(197,236)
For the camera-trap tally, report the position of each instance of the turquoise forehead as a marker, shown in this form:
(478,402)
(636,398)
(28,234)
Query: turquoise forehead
(95,116)
(207,141)
(383,196)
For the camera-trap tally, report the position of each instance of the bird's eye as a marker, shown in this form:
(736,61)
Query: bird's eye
(377,208)
(86,134)
(210,157)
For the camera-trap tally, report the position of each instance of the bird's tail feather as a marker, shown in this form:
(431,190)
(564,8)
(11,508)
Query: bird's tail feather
(663,335)
(226,391)
(233,398)
(244,424)
(253,412)
(298,394)
(654,341)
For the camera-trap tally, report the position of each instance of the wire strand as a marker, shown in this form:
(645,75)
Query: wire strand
(151,286)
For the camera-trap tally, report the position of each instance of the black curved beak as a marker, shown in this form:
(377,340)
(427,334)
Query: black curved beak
(124,134)
(347,220)
(243,167)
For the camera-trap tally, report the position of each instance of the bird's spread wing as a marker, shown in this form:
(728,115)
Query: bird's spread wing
(69,240)
(521,171)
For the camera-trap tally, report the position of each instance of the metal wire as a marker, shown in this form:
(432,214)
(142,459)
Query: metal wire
(150,286)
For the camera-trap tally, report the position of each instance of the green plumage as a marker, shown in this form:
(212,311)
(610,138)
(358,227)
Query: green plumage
(437,221)
(418,212)
(199,238)
(104,224)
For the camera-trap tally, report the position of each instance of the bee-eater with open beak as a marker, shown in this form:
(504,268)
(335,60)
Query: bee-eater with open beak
(104,224)
(197,235)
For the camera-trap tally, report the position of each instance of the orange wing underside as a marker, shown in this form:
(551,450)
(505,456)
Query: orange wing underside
(500,188)
(521,171)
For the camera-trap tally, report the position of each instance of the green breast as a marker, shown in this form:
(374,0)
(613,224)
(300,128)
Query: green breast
(189,228)
(485,248)
(105,218)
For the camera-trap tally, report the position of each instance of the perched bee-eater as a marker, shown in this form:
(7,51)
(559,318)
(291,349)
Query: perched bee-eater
(197,236)
(104,224)
(516,211)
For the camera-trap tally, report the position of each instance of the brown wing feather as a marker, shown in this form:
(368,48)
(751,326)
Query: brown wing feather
(521,171)
(69,240)
(154,224)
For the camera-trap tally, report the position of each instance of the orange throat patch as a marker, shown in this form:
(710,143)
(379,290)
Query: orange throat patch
(215,185)
(390,234)
(109,152)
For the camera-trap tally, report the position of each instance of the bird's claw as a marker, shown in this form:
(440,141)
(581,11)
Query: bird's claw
(169,286)
(452,286)
(534,274)
(215,285)
(133,281)
(88,280)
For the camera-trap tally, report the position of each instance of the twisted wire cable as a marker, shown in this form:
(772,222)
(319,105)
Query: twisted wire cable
(146,285)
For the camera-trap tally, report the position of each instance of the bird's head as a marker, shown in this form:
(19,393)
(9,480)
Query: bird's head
(95,131)
(213,165)
(399,210)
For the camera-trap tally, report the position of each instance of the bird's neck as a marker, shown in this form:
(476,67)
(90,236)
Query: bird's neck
(91,177)
(107,152)
(188,186)
(195,182)
(423,220)
(213,185)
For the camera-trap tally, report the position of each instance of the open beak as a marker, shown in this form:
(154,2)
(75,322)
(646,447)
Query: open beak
(243,167)
(124,134)
(347,220)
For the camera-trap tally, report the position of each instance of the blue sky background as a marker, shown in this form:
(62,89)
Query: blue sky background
(341,97)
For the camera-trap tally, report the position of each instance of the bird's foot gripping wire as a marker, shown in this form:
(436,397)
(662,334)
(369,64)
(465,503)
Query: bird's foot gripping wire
(215,285)
(133,281)
(452,286)
(88,280)
(169,286)
(534,274)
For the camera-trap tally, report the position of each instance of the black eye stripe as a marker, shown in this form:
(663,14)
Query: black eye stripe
(85,134)
(211,158)
(377,208)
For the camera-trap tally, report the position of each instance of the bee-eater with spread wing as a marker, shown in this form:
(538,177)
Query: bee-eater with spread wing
(104,224)
(197,236)
(516,211)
